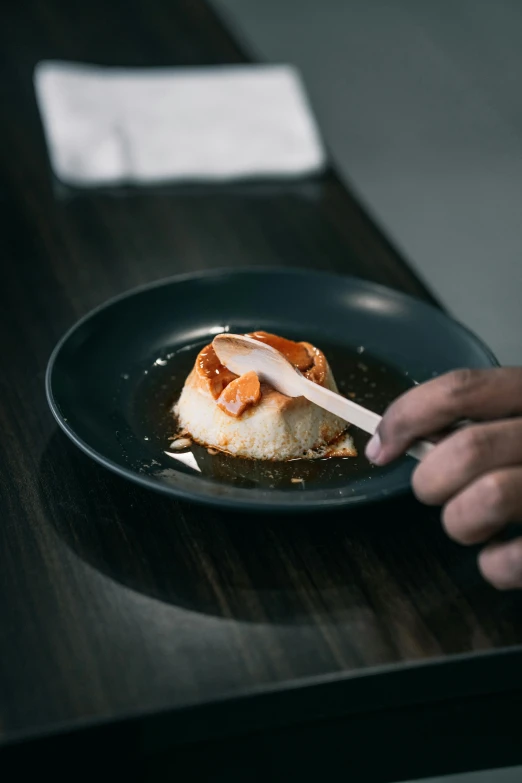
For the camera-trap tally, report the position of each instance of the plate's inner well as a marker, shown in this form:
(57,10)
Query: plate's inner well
(366,380)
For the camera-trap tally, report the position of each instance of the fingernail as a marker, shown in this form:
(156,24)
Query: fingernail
(373,448)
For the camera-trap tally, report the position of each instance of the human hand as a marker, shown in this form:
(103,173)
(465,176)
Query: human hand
(474,473)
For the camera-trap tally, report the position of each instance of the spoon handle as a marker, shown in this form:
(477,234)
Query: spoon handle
(353,413)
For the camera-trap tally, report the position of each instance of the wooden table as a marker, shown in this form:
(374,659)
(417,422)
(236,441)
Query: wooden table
(364,641)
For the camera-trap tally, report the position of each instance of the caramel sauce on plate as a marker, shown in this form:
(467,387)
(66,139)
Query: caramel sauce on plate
(366,379)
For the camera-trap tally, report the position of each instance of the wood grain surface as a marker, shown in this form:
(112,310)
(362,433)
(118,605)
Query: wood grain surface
(115,601)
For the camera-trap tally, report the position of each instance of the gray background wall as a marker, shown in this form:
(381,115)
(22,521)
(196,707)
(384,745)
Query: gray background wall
(421,105)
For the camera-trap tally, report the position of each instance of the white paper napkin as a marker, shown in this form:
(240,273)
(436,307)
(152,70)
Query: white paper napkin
(107,126)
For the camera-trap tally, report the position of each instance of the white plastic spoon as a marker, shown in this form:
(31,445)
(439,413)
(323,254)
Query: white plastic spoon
(242,354)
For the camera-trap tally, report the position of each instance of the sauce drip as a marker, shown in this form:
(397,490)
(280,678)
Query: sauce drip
(317,372)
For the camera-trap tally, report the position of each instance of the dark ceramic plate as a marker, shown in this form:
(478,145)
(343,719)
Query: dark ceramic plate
(112,379)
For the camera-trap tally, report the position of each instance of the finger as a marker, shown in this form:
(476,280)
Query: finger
(433,406)
(465,456)
(485,506)
(501,564)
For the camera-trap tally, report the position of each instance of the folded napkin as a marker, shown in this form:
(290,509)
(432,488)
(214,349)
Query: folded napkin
(107,126)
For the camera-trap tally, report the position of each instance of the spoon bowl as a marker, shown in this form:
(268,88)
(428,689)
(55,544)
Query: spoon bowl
(241,354)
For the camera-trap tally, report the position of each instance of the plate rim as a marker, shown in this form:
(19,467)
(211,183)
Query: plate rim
(238,503)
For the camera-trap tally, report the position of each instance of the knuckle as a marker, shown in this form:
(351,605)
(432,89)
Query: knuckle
(461,384)
(472,445)
(494,494)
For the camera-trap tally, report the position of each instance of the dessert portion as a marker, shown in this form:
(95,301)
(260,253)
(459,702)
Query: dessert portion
(245,417)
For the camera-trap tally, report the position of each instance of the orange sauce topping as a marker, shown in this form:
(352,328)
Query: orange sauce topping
(240,394)
(235,394)
(296,353)
(217,374)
